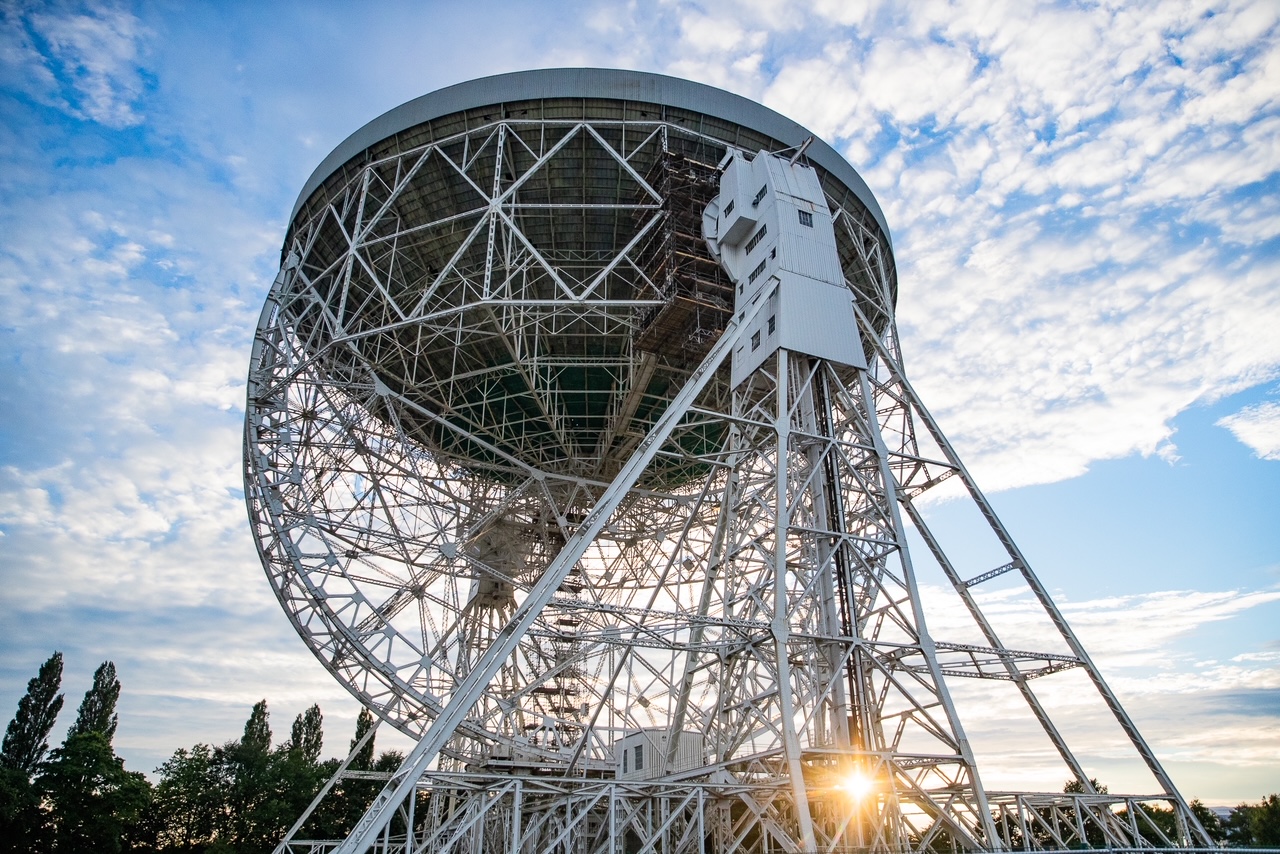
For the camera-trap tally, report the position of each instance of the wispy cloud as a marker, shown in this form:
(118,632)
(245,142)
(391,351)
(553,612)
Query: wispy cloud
(86,64)
(1258,427)
(1044,169)
(1219,716)
(1083,198)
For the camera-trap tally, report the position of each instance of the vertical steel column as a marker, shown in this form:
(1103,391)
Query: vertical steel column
(781,624)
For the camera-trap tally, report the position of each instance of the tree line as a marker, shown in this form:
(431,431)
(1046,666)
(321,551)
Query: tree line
(241,797)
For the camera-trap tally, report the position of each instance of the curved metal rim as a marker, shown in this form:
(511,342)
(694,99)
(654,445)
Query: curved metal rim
(602,83)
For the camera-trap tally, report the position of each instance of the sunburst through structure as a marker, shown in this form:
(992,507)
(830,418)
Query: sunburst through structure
(579,449)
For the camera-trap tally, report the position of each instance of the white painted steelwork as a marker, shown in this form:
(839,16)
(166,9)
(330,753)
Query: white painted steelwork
(514,491)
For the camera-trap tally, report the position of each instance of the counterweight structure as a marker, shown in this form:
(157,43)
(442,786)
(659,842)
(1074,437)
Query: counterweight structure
(579,449)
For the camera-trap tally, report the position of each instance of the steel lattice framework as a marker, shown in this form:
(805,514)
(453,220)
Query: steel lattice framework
(503,488)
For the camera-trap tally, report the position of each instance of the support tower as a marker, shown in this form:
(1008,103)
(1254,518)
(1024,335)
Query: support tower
(579,448)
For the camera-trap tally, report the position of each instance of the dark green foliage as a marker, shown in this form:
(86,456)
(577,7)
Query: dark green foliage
(23,824)
(307,735)
(238,798)
(346,802)
(257,730)
(247,769)
(1075,787)
(1209,821)
(189,803)
(1266,822)
(242,796)
(27,737)
(98,708)
(1237,828)
(1255,825)
(1155,822)
(1093,834)
(96,805)
(363,760)
(349,798)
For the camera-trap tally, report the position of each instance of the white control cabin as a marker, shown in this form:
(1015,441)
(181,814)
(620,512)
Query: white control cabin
(642,754)
(773,232)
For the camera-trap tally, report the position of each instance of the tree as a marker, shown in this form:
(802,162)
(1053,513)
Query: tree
(307,736)
(1075,787)
(246,766)
(23,822)
(257,730)
(27,737)
(348,799)
(1093,835)
(1159,825)
(1264,822)
(98,708)
(96,804)
(298,773)
(363,760)
(1208,820)
(358,794)
(189,803)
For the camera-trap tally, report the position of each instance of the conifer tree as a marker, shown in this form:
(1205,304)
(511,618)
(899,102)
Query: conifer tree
(27,737)
(344,805)
(257,730)
(98,708)
(363,760)
(307,736)
(95,804)
(24,823)
(247,766)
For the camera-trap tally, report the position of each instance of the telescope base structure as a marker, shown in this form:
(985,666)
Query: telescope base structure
(796,652)
(502,814)
(615,523)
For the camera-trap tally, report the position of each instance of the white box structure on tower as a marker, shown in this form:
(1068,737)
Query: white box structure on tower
(643,754)
(774,234)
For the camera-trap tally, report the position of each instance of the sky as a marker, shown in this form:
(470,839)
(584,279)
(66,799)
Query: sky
(1085,207)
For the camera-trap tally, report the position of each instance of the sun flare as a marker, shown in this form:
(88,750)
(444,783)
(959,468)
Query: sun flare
(856,785)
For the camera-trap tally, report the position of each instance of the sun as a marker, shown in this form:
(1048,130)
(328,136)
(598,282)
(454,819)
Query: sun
(856,785)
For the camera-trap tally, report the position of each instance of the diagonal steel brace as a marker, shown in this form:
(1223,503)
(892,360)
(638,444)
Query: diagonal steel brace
(468,692)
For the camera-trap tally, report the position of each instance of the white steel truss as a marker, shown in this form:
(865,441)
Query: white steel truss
(503,490)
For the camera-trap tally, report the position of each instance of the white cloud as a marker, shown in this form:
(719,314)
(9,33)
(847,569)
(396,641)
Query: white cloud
(88,65)
(1148,648)
(1054,311)
(1258,427)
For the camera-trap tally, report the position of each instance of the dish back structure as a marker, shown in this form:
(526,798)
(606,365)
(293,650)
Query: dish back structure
(508,490)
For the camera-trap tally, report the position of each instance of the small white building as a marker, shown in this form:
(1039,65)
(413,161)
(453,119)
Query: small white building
(642,754)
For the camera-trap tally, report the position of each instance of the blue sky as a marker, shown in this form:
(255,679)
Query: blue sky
(1085,205)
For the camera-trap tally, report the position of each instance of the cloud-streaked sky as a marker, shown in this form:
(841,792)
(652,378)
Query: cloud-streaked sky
(1085,206)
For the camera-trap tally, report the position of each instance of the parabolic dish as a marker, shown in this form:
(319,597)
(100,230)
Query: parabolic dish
(487,297)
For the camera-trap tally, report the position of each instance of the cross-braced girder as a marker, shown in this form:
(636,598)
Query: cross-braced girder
(474,334)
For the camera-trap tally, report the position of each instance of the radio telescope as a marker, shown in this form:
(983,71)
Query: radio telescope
(579,449)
